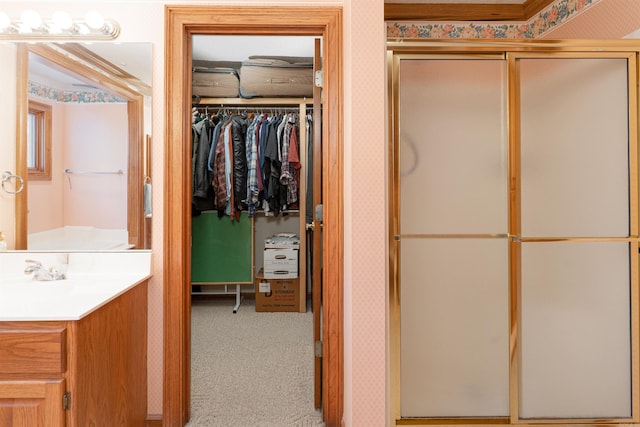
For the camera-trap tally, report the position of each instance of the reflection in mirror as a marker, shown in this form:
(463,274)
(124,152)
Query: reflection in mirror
(98,96)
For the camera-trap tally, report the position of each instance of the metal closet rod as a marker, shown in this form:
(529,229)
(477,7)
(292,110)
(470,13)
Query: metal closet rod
(88,172)
(249,107)
(253,108)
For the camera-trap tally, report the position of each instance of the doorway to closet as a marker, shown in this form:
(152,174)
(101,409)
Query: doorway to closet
(514,294)
(182,23)
(254,102)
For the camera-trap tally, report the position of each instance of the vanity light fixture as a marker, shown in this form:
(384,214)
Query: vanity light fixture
(61,26)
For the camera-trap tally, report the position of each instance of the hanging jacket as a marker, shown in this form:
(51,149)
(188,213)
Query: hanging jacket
(202,194)
(239,131)
(290,160)
(272,167)
(219,181)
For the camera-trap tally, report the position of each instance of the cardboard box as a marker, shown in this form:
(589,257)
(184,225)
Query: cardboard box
(277,294)
(280,263)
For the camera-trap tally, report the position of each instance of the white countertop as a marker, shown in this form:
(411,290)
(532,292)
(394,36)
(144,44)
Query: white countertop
(93,279)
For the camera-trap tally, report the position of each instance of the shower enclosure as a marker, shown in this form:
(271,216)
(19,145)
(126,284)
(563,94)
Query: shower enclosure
(513,233)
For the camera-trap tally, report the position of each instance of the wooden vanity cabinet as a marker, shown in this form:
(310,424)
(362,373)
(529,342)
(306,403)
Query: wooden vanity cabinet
(87,372)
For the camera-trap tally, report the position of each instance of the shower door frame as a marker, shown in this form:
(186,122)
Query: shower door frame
(511,52)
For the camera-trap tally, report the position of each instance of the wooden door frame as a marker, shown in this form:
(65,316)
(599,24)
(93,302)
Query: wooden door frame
(181,22)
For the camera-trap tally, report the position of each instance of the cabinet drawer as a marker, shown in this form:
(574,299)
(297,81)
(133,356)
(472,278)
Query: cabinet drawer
(33,351)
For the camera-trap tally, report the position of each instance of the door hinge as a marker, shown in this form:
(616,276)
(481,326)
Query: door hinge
(319,78)
(318,349)
(319,213)
(66,401)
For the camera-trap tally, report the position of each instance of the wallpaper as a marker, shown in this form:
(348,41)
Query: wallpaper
(58,95)
(553,15)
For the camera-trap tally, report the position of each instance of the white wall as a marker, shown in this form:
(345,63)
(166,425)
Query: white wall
(364,186)
(96,138)
(85,137)
(128,15)
(45,198)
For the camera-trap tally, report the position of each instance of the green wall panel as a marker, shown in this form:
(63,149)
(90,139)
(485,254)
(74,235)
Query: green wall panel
(221,249)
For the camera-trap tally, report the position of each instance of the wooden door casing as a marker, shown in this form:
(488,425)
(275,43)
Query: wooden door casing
(181,22)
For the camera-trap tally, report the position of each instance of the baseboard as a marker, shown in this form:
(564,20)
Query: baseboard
(204,296)
(248,295)
(154,420)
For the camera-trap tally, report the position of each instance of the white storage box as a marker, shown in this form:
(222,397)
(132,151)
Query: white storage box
(282,241)
(280,263)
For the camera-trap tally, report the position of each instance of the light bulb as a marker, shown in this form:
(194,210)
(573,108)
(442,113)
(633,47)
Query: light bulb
(94,20)
(24,28)
(53,28)
(31,18)
(62,19)
(5,21)
(83,29)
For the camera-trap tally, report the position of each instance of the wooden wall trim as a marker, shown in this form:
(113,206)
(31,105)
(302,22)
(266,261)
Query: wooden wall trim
(453,12)
(463,12)
(533,7)
(180,23)
(154,421)
(176,275)
(22,112)
(333,222)
(98,62)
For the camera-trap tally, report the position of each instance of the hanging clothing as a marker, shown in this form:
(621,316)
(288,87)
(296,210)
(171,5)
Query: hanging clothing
(246,162)
(239,133)
(253,192)
(272,169)
(309,207)
(201,176)
(219,181)
(289,173)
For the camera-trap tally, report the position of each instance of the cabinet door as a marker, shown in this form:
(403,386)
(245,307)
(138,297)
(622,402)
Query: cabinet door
(33,403)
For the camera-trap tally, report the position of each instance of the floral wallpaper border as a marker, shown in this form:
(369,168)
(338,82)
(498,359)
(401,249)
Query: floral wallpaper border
(58,95)
(553,15)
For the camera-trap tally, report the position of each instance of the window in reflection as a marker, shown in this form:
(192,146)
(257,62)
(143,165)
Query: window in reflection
(39,141)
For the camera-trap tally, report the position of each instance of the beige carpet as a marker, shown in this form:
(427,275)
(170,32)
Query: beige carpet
(251,369)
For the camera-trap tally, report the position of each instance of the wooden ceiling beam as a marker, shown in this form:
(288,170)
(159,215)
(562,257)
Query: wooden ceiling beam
(463,12)
(533,7)
(453,12)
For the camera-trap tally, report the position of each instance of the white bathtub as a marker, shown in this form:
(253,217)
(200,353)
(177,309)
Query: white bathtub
(79,238)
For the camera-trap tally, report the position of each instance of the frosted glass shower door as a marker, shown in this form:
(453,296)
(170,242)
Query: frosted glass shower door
(454,292)
(576,251)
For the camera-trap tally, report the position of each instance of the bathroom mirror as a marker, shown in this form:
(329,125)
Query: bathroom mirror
(98,97)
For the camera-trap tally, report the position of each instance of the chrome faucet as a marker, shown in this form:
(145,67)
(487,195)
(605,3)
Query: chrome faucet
(42,273)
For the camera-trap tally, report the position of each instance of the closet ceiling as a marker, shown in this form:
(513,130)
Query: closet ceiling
(239,48)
